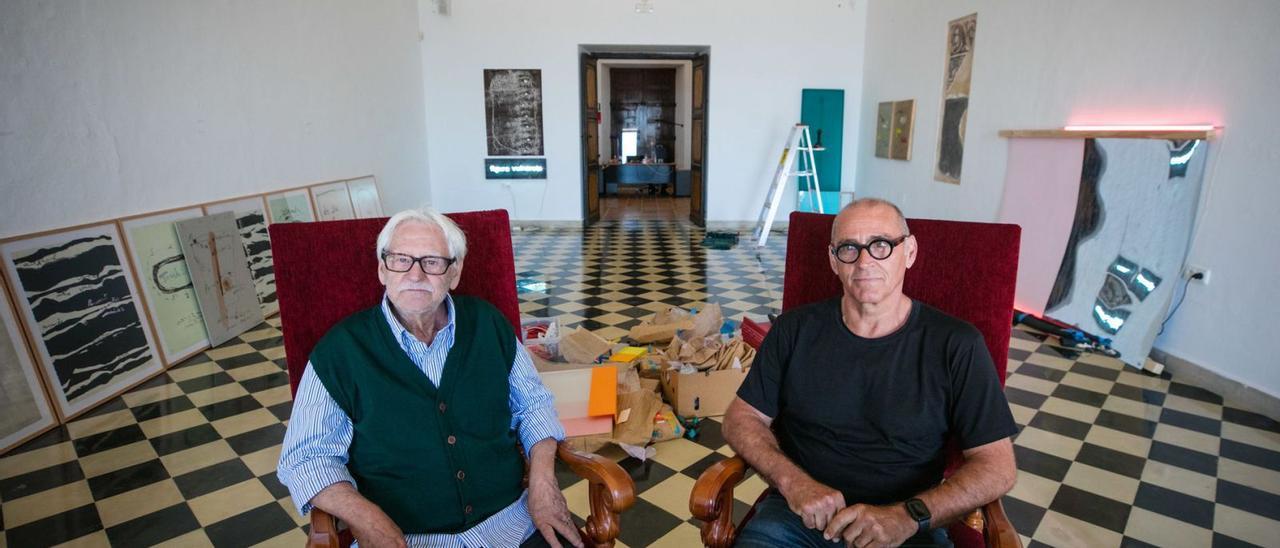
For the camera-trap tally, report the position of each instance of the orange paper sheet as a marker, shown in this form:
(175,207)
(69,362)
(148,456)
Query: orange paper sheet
(604,392)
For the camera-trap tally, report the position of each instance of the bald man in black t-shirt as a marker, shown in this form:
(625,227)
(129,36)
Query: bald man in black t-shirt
(851,401)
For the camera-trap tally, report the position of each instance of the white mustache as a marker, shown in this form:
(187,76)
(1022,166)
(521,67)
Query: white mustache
(416,288)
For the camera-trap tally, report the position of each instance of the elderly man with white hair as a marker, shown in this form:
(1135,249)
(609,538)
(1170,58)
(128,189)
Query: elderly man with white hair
(407,416)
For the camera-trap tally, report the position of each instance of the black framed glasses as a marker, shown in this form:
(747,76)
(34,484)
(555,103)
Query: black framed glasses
(430,264)
(879,249)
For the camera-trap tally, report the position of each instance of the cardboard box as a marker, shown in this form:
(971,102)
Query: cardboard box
(702,394)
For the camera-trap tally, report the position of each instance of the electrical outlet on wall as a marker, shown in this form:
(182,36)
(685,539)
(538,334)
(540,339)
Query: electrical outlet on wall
(1196,274)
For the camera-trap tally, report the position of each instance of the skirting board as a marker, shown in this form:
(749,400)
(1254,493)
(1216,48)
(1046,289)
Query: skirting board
(1236,393)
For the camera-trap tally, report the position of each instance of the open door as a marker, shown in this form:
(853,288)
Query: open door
(590,141)
(698,145)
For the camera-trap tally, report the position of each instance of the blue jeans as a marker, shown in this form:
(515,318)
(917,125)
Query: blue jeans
(775,525)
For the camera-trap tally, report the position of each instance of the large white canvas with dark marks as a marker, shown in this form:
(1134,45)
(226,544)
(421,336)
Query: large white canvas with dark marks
(162,271)
(220,275)
(24,409)
(513,111)
(77,297)
(1134,215)
(251,221)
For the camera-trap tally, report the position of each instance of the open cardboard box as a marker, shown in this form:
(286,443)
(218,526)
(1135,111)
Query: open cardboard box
(704,393)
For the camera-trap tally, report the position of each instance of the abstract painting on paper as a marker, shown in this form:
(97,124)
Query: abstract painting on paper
(251,220)
(513,111)
(955,98)
(78,300)
(220,275)
(157,258)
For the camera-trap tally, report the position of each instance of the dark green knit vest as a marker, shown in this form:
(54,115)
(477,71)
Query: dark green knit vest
(436,460)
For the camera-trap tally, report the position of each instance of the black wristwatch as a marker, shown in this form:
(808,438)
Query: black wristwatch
(919,512)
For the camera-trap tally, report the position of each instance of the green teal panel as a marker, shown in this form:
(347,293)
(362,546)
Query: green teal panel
(823,111)
(830,201)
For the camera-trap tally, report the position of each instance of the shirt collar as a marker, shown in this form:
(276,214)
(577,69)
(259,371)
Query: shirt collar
(401,332)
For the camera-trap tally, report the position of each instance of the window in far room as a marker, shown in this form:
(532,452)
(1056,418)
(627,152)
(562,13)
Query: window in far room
(630,137)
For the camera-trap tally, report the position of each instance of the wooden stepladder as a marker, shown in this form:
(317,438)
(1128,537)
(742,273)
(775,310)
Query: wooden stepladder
(799,145)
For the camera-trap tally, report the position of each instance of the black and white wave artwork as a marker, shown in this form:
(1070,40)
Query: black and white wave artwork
(86,315)
(257,249)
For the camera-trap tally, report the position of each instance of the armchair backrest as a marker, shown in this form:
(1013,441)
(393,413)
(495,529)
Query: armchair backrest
(965,269)
(326,271)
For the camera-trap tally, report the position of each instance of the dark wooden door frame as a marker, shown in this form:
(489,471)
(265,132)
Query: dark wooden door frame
(589,115)
(589,108)
(698,159)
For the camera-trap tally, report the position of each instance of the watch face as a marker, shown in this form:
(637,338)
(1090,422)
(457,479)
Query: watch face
(917,509)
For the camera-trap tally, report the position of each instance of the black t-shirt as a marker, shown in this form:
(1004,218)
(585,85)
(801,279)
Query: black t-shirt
(871,417)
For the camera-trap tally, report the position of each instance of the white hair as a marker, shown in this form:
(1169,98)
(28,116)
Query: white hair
(453,235)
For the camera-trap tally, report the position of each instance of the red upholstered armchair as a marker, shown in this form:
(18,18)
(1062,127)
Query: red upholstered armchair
(326,271)
(965,269)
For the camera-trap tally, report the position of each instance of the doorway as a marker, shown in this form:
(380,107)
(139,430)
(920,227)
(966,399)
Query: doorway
(643,132)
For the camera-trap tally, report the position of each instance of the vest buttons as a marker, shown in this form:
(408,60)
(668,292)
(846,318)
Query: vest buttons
(461,475)
(452,440)
(442,407)
(467,510)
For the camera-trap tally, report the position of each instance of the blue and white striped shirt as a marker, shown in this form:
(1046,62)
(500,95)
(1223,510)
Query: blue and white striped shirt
(314,454)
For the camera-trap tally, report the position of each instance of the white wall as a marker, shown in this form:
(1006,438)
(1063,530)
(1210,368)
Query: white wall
(1042,64)
(130,106)
(762,54)
(684,95)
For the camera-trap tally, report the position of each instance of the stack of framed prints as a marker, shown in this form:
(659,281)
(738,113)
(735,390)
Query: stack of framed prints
(90,311)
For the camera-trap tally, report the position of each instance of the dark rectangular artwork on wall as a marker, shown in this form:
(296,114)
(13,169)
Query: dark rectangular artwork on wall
(955,98)
(513,111)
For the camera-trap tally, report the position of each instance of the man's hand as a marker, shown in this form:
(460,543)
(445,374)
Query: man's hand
(550,513)
(378,532)
(864,525)
(814,502)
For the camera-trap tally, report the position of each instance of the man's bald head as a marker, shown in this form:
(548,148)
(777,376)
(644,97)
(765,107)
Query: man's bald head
(864,204)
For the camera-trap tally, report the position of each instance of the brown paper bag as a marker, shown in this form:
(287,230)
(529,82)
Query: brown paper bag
(583,346)
(661,326)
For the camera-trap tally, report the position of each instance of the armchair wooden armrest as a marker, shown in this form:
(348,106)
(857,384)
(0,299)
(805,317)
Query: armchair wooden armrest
(611,492)
(712,501)
(997,528)
(324,531)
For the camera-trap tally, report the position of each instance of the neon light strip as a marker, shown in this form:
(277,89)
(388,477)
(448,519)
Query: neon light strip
(1128,127)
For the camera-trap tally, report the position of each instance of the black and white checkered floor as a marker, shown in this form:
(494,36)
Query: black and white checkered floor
(1107,456)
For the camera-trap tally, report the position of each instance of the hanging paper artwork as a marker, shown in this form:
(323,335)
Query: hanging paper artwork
(513,111)
(955,98)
